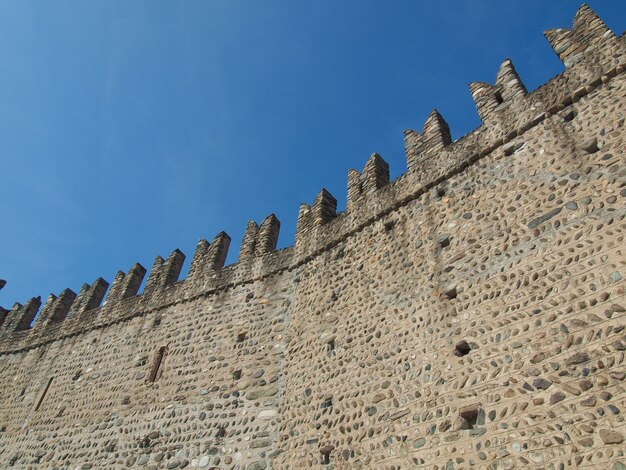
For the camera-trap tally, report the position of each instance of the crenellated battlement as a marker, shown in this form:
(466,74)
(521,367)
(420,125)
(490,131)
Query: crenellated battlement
(470,312)
(592,55)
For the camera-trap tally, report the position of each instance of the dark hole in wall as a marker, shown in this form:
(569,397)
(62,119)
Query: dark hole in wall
(237,374)
(155,372)
(450,293)
(569,116)
(325,457)
(462,348)
(328,403)
(443,241)
(470,416)
(330,347)
(221,432)
(241,337)
(389,225)
(498,97)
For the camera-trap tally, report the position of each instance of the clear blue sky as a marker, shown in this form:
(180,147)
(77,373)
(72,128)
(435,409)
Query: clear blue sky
(128,129)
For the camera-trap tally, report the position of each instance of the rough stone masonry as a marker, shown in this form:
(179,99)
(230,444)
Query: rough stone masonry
(469,314)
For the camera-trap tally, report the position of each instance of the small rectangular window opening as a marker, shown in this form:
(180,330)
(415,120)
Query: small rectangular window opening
(155,372)
(325,457)
(43,394)
(241,337)
(470,416)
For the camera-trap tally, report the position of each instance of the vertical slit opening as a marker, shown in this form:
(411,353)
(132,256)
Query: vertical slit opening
(155,372)
(43,394)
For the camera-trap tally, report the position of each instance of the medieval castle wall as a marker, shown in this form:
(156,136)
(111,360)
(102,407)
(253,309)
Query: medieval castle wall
(469,314)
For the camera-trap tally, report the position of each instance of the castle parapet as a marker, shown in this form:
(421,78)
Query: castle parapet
(89,297)
(261,239)
(589,41)
(55,309)
(126,285)
(422,149)
(209,257)
(164,272)
(375,175)
(311,218)
(21,316)
(592,55)
(494,100)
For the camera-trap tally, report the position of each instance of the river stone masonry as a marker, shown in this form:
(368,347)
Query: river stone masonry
(469,314)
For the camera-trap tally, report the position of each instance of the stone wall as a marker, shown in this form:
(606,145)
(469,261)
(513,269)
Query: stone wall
(468,314)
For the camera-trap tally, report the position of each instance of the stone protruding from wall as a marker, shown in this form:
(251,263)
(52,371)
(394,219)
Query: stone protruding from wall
(375,175)
(209,257)
(164,272)
(492,98)
(89,297)
(583,41)
(323,210)
(434,138)
(260,239)
(126,285)
(55,309)
(21,316)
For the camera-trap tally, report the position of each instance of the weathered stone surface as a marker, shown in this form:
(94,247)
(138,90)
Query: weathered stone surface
(469,314)
(610,436)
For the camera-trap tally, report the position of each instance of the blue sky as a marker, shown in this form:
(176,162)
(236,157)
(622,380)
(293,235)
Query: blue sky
(128,129)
